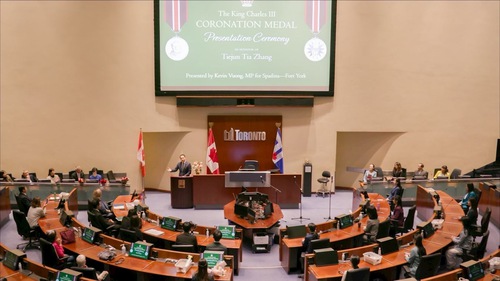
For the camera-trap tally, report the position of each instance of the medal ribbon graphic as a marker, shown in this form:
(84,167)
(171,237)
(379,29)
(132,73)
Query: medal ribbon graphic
(176,14)
(315,14)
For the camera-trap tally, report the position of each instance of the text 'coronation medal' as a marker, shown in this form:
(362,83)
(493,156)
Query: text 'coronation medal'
(176,48)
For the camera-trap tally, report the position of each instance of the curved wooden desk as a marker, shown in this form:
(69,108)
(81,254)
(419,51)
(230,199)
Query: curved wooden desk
(390,262)
(339,239)
(131,268)
(258,224)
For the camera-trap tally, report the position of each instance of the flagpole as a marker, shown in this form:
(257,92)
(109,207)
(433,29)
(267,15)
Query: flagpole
(142,176)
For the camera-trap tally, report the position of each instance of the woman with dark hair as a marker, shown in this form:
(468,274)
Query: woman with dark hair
(470,194)
(443,172)
(413,258)
(472,213)
(56,241)
(354,263)
(135,225)
(463,242)
(127,221)
(396,190)
(94,175)
(52,176)
(371,227)
(398,216)
(397,171)
(202,273)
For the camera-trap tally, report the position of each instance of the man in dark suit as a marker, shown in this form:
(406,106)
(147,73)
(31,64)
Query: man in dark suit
(77,174)
(24,200)
(186,238)
(216,245)
(184,167)
(103,223)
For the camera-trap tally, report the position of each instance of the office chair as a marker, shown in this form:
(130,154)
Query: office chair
(24,229)
(128,235)
(477,253)
(479,230)
(324,181)
(380,174)
(183,248)
(383,229)
(478,194)
(429,266)
(455,173)
(409,220)
(358,274)
(49,256)
(88,272)
(20,206)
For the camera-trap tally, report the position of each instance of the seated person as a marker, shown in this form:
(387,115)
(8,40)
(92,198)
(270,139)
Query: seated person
(469,194)
(56,241)
(53,177)
(81,262)
(103,223)
(472,213)
(443,172)
(354,263)
(77,174)
(6,177)
(126,221)
(94,175)
(396,190)
(461,243)
(103,206)
(24,200)
(369,174)
(217,245)
(186,238)
(415,255)
(202,273)
(30,177)
(397,215)
(371,227)
(420,172)
(397,171)
(36,212)
(311,235)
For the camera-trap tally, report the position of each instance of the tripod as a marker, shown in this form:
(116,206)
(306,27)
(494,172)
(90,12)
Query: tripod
(330,201)
(300,218)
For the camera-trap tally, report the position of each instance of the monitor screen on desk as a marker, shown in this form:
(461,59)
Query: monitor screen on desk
(473,270)
(344,221)
(170,223)
(91,234)
(140,250)
(240,210)
(319,244)
(65,218)
(212,257)
(12,258)
(325,256)
(68,275)
(296,231)
(388,245)
(268,209)
(228,231)
(426,228)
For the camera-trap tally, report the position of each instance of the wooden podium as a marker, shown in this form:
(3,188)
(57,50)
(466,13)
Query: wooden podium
(181,196)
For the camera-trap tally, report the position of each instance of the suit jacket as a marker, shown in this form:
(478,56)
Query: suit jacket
(187,239)
(103,223)
(25,202)
(74,175)
(183,168)
(217,246)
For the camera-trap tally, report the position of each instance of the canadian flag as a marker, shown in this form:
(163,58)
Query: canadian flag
(140,155)
(212,161)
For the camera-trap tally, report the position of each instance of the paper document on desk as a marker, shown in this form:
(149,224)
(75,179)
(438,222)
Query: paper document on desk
(154,232)
(119,207)
(429,189)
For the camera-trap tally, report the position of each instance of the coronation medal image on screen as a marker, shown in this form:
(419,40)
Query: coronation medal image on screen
(63,276)
(240,47)
(212,257)
(169,223)
(88,235)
